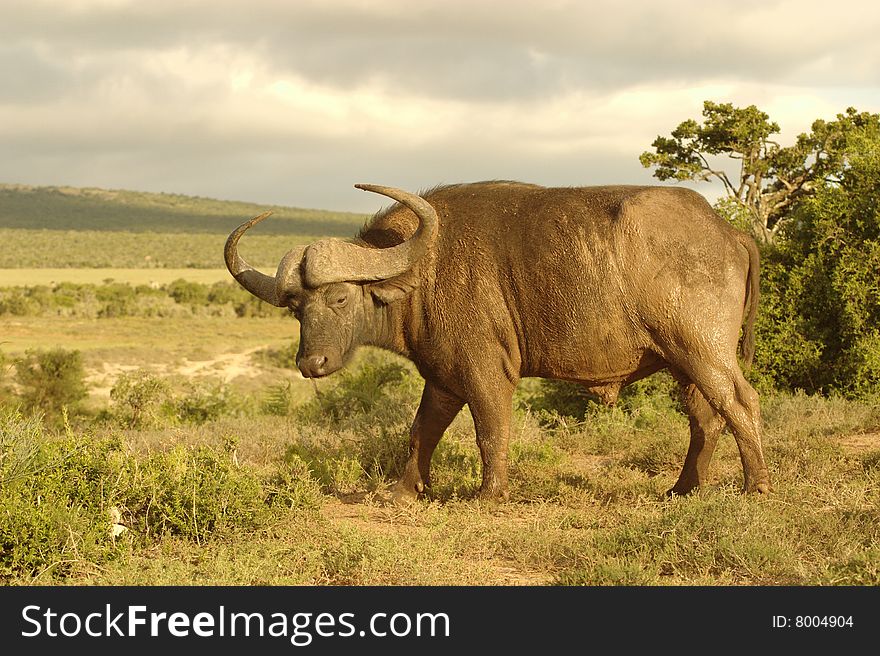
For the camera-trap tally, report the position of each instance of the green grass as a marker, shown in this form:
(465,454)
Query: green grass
(567,524)
(89,228)
(293,496)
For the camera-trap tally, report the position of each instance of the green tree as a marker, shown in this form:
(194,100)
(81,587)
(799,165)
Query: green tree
(770,178)
(819,325)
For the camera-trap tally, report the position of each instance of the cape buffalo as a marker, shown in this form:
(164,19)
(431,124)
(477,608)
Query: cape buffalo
(482,284)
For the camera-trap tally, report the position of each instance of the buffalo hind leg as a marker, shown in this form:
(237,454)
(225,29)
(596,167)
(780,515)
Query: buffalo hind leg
(729,394)
(706,426)
(436,411)
(492,417)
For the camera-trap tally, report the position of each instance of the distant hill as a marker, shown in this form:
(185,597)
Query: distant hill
(71,208)
(81,228)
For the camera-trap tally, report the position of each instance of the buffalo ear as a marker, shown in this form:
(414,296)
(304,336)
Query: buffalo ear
(393,289)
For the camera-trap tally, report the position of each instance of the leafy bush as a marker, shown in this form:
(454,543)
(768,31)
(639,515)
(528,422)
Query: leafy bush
(196,492)
(19,447)
(375,389)
(15,302)
(204,401)
(293,486)
(188,293)
(60,496)
(283,358)
(335,466)
(51,380)
(53,512)
(279,400)
(192,493)
(359,428)
(139,399)
(6,392)
(115,299)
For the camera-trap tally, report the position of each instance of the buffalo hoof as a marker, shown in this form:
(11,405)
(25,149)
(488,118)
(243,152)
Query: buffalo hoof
(492,495)
(679,492)
(763,487)
(405,493)
(682,489)
(760,483)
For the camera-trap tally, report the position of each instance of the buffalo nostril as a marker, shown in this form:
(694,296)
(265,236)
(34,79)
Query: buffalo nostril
(312,365)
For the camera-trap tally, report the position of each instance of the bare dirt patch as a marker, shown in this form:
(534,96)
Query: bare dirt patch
(101,381)
(224,366)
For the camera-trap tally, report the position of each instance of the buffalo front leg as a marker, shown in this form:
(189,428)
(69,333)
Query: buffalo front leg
(706,427)
(436,411)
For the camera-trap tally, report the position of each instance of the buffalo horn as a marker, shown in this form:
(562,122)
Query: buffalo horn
(272,289)
(331,260)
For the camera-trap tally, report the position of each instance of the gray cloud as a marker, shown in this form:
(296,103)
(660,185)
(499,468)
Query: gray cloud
(28,77)
(292,102)
(502,50)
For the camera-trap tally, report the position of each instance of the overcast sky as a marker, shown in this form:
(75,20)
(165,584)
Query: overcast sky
(293,102)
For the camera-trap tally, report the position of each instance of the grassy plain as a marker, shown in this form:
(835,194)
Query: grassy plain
(283,480)
(130,339)
(587,506)
(48,276)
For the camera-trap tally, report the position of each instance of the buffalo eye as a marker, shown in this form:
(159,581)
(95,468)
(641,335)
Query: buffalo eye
(339,301)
